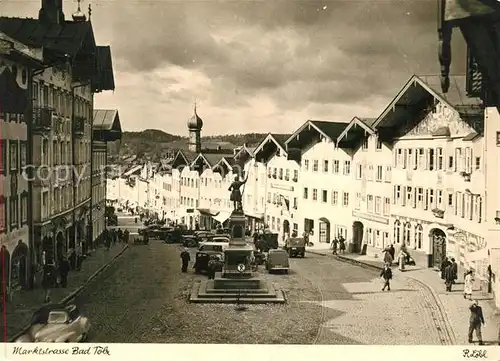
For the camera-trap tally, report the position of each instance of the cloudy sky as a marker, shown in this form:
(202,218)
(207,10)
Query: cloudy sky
(258,66)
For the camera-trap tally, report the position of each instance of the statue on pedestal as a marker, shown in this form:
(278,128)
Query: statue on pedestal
(236,194)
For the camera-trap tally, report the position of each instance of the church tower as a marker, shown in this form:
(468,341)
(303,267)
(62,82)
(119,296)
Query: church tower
(195,123)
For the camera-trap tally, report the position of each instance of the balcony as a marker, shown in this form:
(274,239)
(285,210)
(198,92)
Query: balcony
(42,119)
(79,126)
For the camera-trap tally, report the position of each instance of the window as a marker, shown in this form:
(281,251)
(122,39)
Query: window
(13,152)
(378,205)
(295,175)
(397,195)
(335,198)
(477,163)
(420,197)
(287,174)
(3,226)
(347,167)
(306,164)
(397,232)
(468,160)
(421,158)
(407,234)
(13,216)
(315,194)
(451,163)
(430,159)
(295,204)
(345,199)
(398,160)
(430,199)
(408,158)
(359,171)
(439,199)
(458,159)
(306,191)
(387,206)
(325,166)
(357,204)
(409,195)
(280,174)
(419,236)
(369,172)
(269,195)
(24,209)
(369,203)
(3,148)
(388,174)
(379,173)
(365,144)
(379,144)
(324,197)
(315,165)
(498,139)
(336,167)
(439,156)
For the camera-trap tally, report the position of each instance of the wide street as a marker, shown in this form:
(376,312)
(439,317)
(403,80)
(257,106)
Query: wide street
(142,297)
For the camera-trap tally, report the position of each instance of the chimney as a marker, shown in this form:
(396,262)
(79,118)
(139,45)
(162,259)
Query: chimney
(51,12)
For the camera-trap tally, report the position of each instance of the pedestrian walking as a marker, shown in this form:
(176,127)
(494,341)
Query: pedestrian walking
(212,264)
(392,251)
(63,271)
(476,320)
(454,267)
(388,258)
(386,275)
(342,244)
(448,277)
(444,263)
(468,281)
(335,243)
(401,260)
(185,257)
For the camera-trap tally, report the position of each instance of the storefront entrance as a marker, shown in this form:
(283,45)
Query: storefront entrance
(324,230)
(357,236)
(438,242)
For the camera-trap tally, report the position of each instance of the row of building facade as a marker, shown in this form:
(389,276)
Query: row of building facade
(422,173)
(52,140)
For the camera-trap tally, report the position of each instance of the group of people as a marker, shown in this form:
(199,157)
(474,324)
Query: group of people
(449,272)
(112,236)
(214,263)
(338,243)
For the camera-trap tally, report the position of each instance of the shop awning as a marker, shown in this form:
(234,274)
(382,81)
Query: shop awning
(259,216)
(222,216)
(208,212)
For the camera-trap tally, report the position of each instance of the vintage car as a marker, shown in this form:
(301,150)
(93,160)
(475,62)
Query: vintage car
(189,241)
(205,251)
(296,247)
(266,241)
(57,323)
(277,260)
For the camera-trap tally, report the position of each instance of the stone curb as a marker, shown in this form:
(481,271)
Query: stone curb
(73,294)
(449,329)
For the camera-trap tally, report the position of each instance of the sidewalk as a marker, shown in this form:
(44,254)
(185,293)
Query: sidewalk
(23,303)
(452,304)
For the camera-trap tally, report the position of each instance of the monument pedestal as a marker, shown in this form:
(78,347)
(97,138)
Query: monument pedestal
(236,282)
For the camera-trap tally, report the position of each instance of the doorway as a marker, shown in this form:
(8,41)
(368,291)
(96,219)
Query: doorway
(324,230)
(357,236)
(438,242)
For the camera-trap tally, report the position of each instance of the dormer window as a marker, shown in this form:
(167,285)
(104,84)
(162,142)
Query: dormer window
(365,144)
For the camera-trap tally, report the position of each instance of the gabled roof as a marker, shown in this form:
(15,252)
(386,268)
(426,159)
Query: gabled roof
(65,38)
(106,78)
(203,158)
(277,139)
(228,162)
(214,158)
(364,123)
(329,130)
(107,119)
(419,92)
(242,149)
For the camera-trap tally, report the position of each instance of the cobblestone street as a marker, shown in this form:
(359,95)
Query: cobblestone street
(142,297)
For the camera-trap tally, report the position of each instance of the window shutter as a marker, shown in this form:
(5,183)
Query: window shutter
(395,159)
(414,197)
(426,201)
(405,158)
(427,157)
(415,158)
(395,191)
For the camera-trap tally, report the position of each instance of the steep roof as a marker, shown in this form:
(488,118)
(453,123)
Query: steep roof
(312,130)
(263,149)
(105,119)
(65,38)
(106,78)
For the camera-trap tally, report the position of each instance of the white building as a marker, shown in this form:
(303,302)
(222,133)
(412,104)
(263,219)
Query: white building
(279,185)
(371,189)
(325,202)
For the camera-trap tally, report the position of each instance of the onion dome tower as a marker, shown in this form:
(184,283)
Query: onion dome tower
(195,123)
(79,16)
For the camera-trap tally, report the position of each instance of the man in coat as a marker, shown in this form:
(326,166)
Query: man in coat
(476,320)
(185,257)
(449,277)
(386,274)
(454,266)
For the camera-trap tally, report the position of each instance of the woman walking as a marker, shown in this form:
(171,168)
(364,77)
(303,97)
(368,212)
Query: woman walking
(468,285)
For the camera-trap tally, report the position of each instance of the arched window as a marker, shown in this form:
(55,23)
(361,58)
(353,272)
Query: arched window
(419,234)
(407,234)
(397,232)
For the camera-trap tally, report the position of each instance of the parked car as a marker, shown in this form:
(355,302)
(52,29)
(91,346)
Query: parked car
(189,241)
(267,241)
(296,247)
(205,251)
(277,260)
(57,323)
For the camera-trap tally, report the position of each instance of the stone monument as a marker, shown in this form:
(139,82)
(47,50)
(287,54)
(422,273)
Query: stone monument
(237,282)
